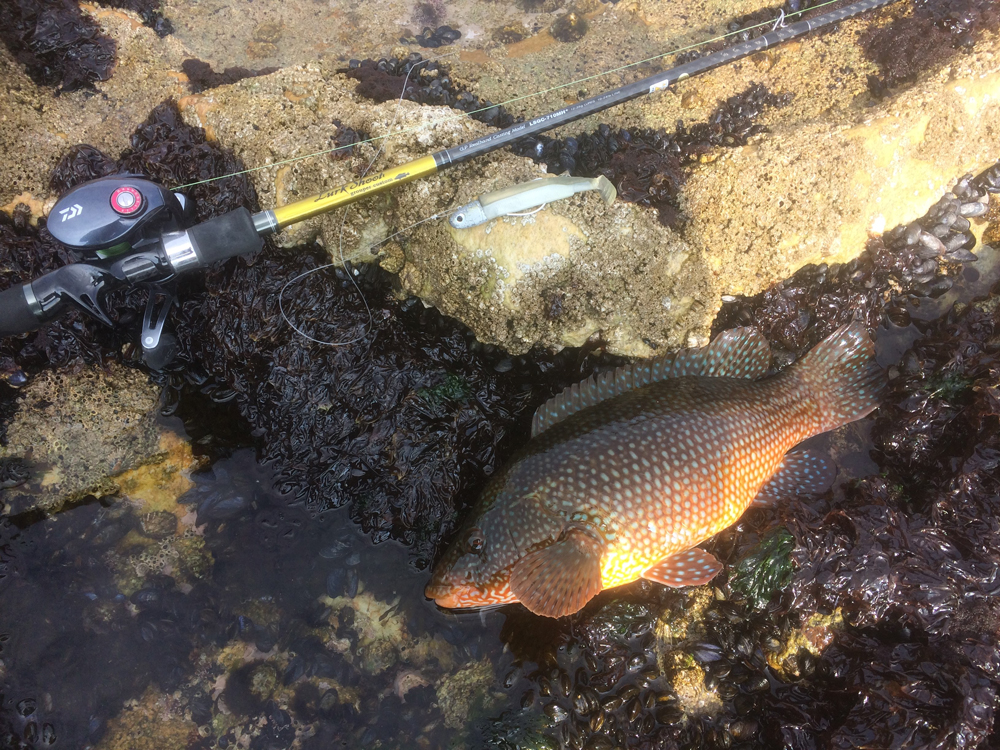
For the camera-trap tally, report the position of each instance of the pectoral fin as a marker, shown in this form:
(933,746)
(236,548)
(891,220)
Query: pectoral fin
(693,567)
(800,472)
(560,579)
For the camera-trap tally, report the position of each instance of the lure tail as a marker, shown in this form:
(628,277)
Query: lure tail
(842,375)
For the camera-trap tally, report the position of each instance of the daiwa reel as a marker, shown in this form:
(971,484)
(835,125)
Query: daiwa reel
(127,231)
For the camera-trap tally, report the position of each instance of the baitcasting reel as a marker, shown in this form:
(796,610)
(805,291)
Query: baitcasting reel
(128,231)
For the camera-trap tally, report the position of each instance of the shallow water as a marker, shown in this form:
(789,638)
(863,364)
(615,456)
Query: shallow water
(290,607)
(215,611)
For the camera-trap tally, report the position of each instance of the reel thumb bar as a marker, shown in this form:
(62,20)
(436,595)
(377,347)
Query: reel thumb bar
(278,218)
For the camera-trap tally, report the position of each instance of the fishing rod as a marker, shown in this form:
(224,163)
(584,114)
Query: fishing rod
(132,231)
(277,219)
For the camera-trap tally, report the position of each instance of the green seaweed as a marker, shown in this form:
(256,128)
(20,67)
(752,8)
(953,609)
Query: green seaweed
(454,388)
(765,569)
(948,386)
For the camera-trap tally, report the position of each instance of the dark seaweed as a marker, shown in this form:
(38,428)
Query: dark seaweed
(911,554)
(56,43)
(426,82)
(403,425)
(201,76)
(429,13)
(59,46)
(923,36)
(344,140)
(571,27)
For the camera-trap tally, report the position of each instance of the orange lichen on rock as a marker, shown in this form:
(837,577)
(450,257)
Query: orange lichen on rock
(156,486)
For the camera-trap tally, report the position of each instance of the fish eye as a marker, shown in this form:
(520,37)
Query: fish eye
(475,541)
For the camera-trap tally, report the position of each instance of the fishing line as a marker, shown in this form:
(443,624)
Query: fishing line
(464,115)
(343,261)
(304,274)
(532,212)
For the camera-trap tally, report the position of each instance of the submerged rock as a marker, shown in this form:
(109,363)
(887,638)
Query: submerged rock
(77,433)
(151,723)
(465,695)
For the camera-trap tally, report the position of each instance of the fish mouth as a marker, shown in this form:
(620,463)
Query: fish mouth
(443,595)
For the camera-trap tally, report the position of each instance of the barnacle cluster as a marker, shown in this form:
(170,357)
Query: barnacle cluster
(570,27)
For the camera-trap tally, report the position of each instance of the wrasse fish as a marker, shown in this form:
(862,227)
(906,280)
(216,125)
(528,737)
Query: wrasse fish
(626,472)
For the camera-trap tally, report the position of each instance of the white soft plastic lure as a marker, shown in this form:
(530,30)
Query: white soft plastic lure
(528,195)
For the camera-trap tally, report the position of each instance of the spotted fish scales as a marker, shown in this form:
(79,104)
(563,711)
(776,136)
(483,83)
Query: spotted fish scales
(627,472)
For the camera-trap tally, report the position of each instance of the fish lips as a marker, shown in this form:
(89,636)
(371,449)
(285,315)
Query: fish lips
(443,595)
(451,596)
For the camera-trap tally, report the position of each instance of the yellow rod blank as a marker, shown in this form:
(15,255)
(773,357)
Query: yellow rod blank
(352,191)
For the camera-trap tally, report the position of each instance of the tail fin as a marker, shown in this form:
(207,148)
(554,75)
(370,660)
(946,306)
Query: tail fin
(842,375)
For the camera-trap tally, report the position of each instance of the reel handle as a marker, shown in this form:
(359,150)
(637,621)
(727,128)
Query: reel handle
(16,316)
(24,307)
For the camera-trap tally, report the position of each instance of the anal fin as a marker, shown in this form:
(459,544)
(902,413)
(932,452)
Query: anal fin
(693,567)
(801,472)
(560,579)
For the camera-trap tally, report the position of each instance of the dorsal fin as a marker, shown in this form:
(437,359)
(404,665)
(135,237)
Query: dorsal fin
(739,353)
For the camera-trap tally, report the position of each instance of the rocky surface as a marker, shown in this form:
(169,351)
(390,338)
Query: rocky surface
(829,170)
(74,434)
(813,193)
(40,127)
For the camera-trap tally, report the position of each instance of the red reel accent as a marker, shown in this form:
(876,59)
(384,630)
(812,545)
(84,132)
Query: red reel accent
(126,201)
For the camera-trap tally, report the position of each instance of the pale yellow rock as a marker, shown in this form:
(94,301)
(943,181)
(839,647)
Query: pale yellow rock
(465,693)
(814,192)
